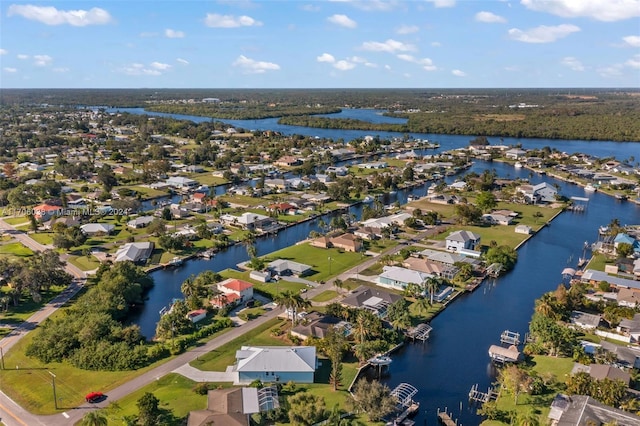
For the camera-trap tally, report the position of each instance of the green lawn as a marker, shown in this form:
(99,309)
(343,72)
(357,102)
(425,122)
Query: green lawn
(325,296)
(44,238)
(175,392)
(325,263)
(27,307)
(16,220)
(251,313)
(225,355)
(540,404)
(268,289)
(598,262)
(83,262)
(15,249)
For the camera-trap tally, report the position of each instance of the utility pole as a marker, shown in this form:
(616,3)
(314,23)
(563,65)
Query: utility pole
(1,358)
(53,383)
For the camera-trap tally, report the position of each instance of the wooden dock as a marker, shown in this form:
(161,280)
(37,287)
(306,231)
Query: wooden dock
(445,419)
(510,338)
(477,396)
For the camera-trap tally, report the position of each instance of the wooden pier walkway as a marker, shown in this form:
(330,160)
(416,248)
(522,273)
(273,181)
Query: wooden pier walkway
(445,419)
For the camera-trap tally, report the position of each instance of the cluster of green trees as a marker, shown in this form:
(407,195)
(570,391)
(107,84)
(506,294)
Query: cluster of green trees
(31,276)
(91,335)
(237,111)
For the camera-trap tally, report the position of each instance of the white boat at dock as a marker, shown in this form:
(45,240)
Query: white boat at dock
(590,188)
(176,261)
(518,165)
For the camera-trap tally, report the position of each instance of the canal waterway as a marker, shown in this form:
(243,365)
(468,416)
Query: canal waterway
(455,358)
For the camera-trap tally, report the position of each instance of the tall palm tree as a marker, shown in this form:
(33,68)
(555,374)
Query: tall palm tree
(94,418)
(189,287)
(287,299)
(363,326)
(431,284)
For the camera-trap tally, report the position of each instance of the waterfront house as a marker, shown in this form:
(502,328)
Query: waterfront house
(430,267)
(372,299)
(594,277)
(602,371)
(497,219)
(585,320)
(197,315)
(242,289)
(284,267)
(515,153)
(134,252)
(275,364)
(318,325)
(346,242)
(626,356)
(399,278)
(262,276)
(584,410)
(628,298)
(97,228)
(140,222)
(540,193)
(523,229)
(288,161)
(462,240)
(182,183)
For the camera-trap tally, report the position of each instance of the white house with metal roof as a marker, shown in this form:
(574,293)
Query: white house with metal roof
(275,364)
(399,278)
(462,240)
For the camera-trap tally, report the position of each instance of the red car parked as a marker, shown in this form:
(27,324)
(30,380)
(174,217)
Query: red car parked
(94,396)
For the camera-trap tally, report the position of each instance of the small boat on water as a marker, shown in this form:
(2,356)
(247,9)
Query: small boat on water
(176,261)
(590,188)
(380,360)
(412,198)
(518,165)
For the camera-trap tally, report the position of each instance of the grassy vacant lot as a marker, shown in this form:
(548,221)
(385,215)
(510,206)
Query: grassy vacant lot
(28,382)
(225,355)
(598,262)
(175,392)
(44,238)
(16,220)
(325,296)
(325,263)
(15,249)
(83,262)
(540,404)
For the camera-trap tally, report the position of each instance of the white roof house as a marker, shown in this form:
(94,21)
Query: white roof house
(134,252)
(96,228)
(462,240)
(398,278)
(275,364)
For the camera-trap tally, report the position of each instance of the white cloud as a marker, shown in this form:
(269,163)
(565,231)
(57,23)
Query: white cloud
(425,63)
(634,62)
(49,15)
(3,52)
(137,69)
(572,63)
(344,65)
(601,10)
(407,29)
(183,61)
(512,68)
(326,57)
(9,69)
(459,73)
(215,20)
(342,20)
(61,70)
(387,67)
(371,5)
(22,56)
(632,40)
(443,3)
(489,18)
(160,66)
(310,8)
(390,46)
(436,44)
(148,34)
(173,33)
(610,71)
(42,60)
(251,66)
(543,33)
(357,60)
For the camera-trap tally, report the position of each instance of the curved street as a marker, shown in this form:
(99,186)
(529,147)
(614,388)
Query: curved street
(13,414)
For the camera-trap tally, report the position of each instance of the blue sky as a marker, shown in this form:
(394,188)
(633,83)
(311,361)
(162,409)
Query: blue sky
(319,44)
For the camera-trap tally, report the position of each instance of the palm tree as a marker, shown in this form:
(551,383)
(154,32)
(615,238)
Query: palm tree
(431,284)
(546,306)
(94,418)
(287,299)
(189,287)
(362,327)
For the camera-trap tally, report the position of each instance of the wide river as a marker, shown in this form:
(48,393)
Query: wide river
(455,358)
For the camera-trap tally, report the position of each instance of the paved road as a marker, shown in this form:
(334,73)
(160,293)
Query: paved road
(10,412)
(13,415)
